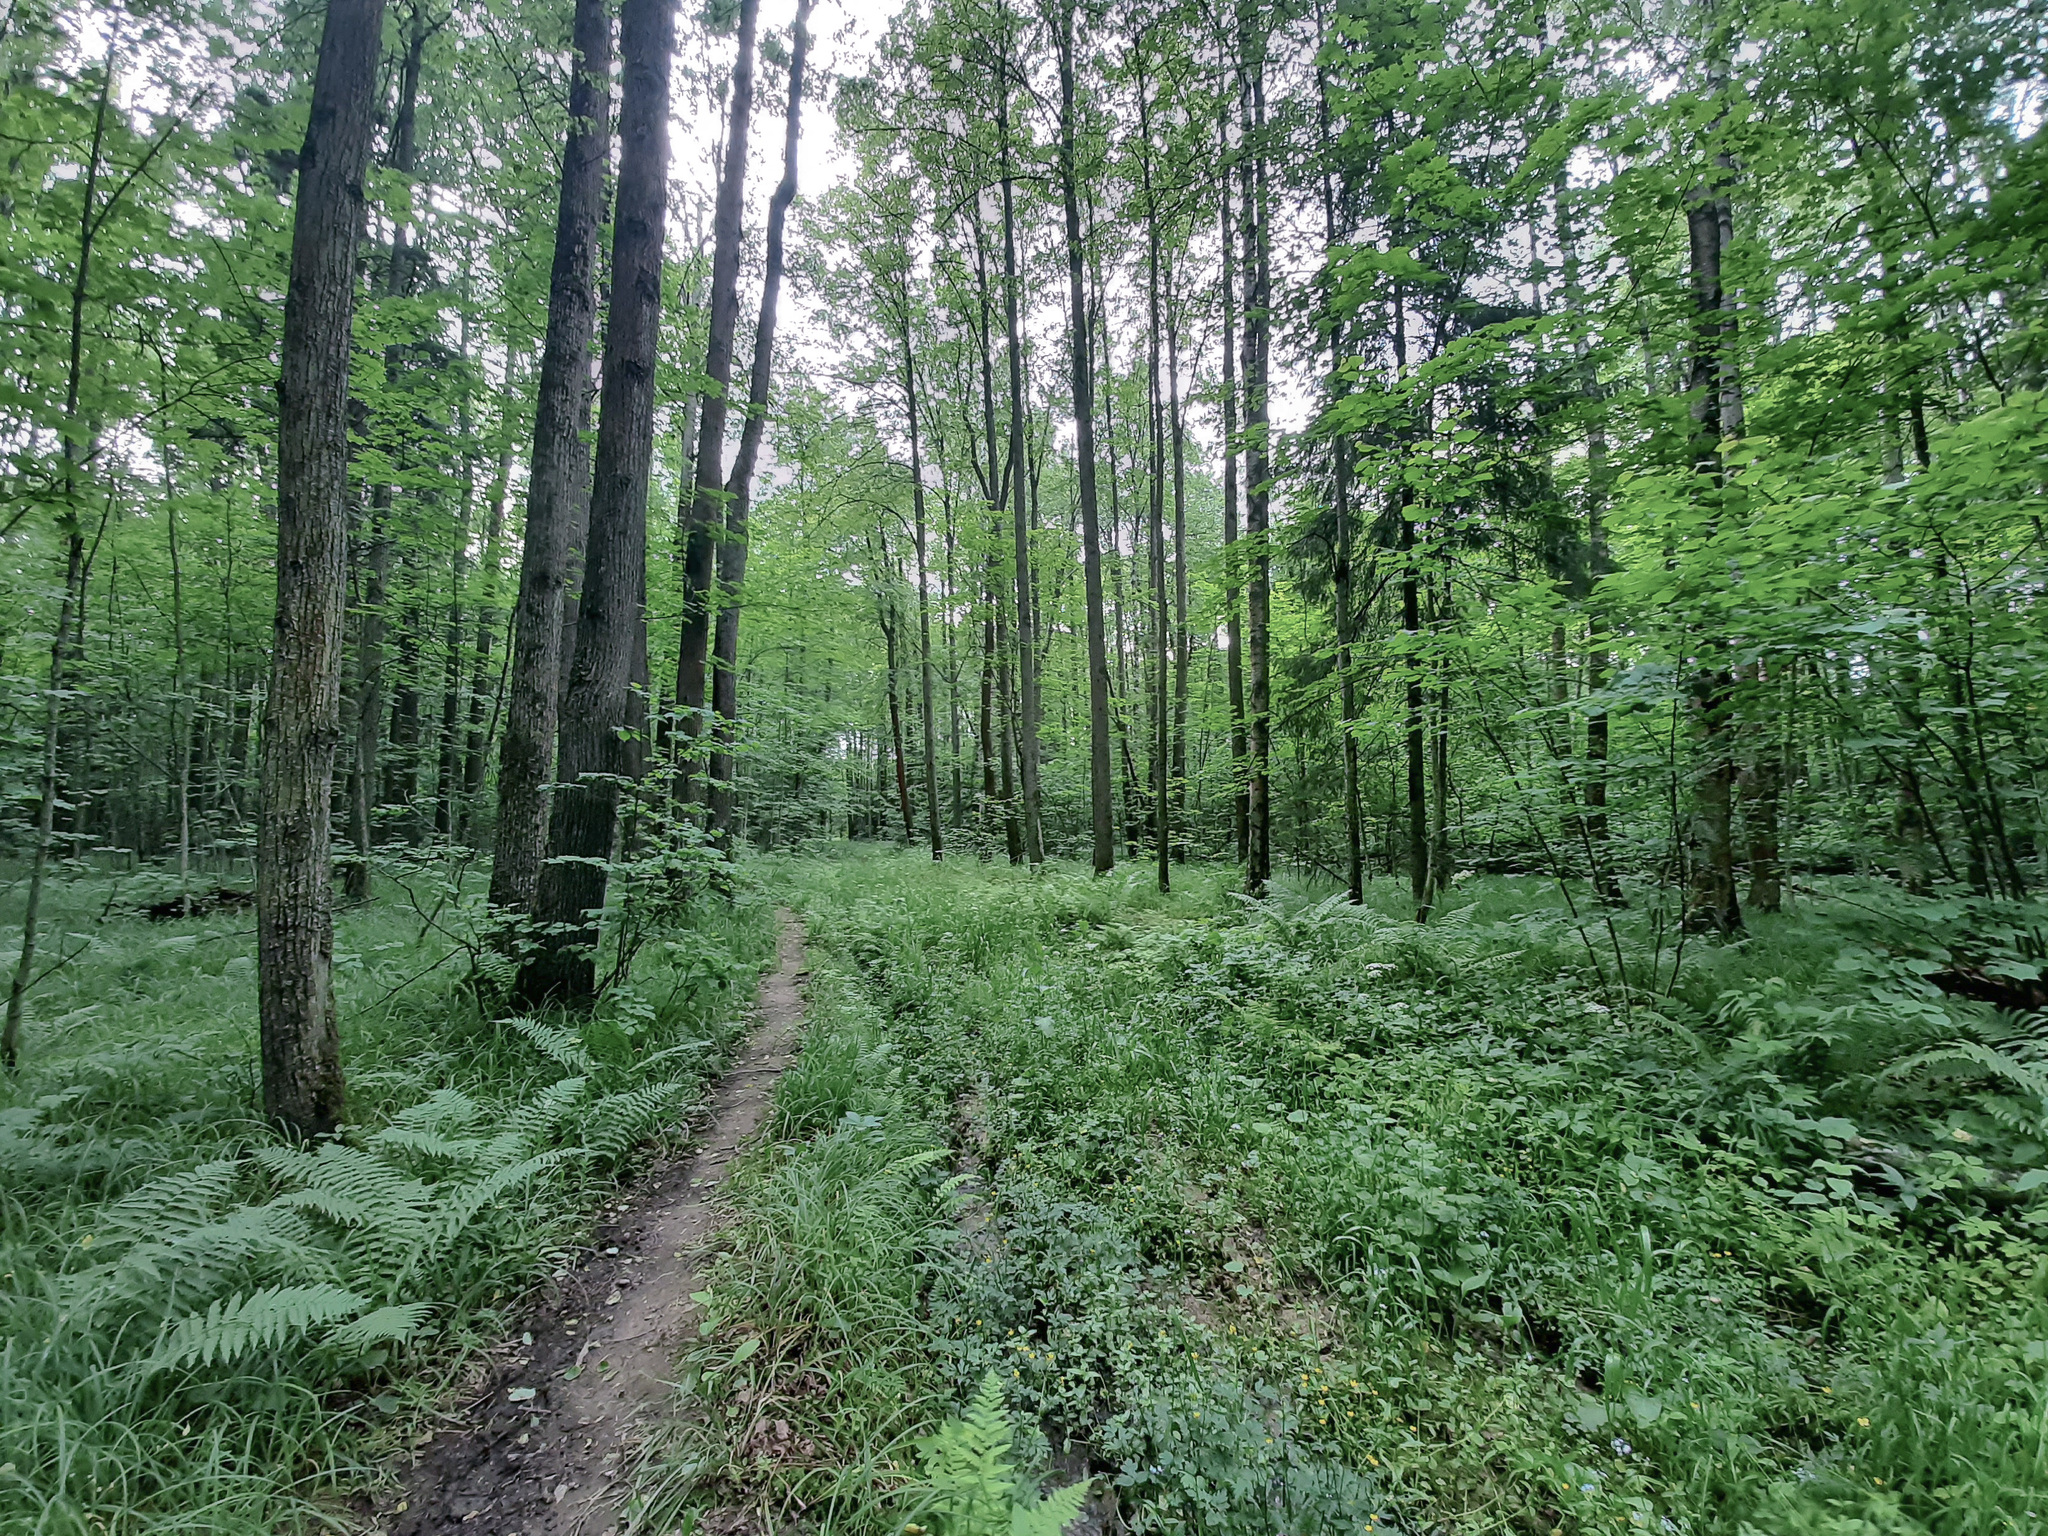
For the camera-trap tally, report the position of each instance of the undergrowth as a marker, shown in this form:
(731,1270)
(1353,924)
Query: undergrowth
(205,1329)
(1291,1216)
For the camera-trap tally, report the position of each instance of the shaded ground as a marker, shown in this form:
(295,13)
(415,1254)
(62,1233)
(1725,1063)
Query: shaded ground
(540,1449)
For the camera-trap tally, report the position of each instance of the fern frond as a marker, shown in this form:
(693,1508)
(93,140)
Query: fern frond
(353,1175)
(547,1111)
(338,1209)
(426,1143)
(471,1200)
(620,1121)
(1970,1058)
(558,1045)
(262,1319)
(444,1109)
(177,1202)
(386,1325)
(206,1259)
(1051,1515)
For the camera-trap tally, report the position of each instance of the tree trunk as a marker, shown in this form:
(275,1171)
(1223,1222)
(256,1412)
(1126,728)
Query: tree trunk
(1711,905)
(699,555)
(601,706)
(560,469)
(1418,803)
(1183,645)
(301,1044)
(482,724)
(401,157)
(739,489)
(1083,380)
(924,615)
(1027,655)
(1258,595)
(1340,512)
(1232,597)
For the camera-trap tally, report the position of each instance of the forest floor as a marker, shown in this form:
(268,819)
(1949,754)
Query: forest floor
(204,1330)
(1268,1217)
(551,1426)
(1290,1217)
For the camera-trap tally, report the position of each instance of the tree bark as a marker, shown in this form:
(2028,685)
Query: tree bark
(559,472)
(599,748)
(303,1087)
(924,615)
(706,512)
(739,488)
(1258,595)
(1083,381)
(1232,595)
(1162,661)
(1027,655)
(402,157)
(1711,905)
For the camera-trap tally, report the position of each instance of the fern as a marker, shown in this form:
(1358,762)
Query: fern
(386,1325)
(1970,1058)
(472,1200)
(971,1487)
(548,1110)
(621,1121)
(262,1320)
(176,1203)
(202,1261)
(426,1144)
(558,1045)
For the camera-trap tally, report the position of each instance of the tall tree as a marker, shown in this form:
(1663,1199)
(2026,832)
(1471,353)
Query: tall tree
(560,470)
(1082,380)
(706,510)
(739,488)
(301,1043)
(1252,192)
(599,751)
(364,788)
(1017,472)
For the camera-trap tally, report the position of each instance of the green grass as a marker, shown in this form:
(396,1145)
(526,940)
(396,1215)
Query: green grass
(203,1329)
(1295,1218)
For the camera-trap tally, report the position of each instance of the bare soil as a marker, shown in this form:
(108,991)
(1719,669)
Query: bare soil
(541,1448)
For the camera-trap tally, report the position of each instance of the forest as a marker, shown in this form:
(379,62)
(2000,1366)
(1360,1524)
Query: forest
(1006,766)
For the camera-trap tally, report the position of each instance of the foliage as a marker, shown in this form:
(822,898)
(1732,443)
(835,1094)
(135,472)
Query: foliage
(1292,1206)
(191,1305)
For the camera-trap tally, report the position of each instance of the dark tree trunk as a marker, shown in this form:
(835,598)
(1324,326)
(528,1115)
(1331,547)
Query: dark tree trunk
(924,614)
(739,489)
(1027,655)
(599,749)
(560,471)
(1418,801)
(481,722)
(301,1044)
(1258,595)
(1183,644)
(364,788)
(700,548)
(1711,905)
(1162,657)
(1341,551)
(1233,631)
(1083,381)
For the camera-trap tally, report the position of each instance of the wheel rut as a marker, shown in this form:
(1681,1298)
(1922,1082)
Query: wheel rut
(542,1451)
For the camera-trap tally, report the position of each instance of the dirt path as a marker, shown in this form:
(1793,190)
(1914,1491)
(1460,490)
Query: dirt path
(543,1447)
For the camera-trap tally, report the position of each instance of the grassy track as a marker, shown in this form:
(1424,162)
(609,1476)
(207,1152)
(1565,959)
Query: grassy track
(203,1330)
(1295,1218)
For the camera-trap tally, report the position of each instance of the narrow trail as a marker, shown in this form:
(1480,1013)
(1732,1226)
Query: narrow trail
(548,1461)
